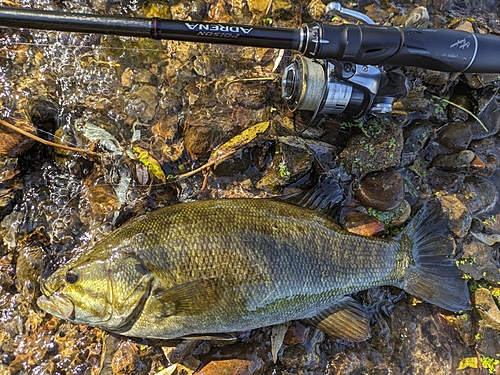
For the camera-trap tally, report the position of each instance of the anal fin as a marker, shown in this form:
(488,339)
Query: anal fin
(345,320)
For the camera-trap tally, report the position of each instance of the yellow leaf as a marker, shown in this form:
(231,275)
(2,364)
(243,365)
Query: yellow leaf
(150,162)
(238,141)
(468,362)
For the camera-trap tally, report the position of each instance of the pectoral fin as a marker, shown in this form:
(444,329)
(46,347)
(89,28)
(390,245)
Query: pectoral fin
(346,320)
(189,298)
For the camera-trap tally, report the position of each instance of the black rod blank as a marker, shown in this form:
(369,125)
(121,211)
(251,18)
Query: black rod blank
(156,28)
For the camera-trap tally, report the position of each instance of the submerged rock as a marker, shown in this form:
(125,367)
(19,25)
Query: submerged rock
(383,191)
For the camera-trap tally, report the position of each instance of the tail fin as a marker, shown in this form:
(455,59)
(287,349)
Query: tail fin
(433,276)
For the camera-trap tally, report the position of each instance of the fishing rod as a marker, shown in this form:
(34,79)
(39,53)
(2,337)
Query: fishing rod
(340,69)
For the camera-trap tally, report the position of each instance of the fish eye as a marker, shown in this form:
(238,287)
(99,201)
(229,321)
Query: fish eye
(71,277)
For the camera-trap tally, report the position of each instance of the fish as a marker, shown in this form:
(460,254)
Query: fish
(212,267)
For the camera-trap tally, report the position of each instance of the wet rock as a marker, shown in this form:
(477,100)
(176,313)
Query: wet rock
(142,103)
(198,140)
(363,224)
(487,308)
(100,200)
(479,81)
(307,357)
(317,9)
(477,194)
(44,113)
(456,162)
(239,163)
(436,78)
(459,218)
(127,78)
(455,112)
(126,359)
(381,151)
(145,76)
(179,352)
(479,262)
(414,102)
(393,218)
(230,366)
(383,191)
(291,162)
(441,180)
(247,95)
(10,185)
(415,137)
(418,17)
(296,333)
(487,112)
(456,136)
(13,144)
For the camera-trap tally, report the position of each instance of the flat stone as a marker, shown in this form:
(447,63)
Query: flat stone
(383,191)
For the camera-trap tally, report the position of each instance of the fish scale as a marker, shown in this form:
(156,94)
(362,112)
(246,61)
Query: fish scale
(229,265)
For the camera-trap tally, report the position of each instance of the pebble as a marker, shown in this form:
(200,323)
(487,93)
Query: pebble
(477,194)
(198,140)
(456,162)
(487,112)
(13,144)
(383,191)
(370,154)
(291,162)
(363,224)
(456,136)
(479,262)
(487,308)
(440,180)
(415,137)
(459,218)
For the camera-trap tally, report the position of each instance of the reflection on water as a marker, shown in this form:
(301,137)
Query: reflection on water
(179,101)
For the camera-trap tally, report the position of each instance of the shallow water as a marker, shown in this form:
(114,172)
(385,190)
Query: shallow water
(179,101)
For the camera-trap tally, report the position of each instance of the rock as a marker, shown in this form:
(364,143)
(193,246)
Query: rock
(307,356)
(291,162)
(487,112)
(459,217)
(456,136)
(456,162)
(142,103)
(296,333)
(229,366)
(395,217)
(455,112)
(441,180)
(487,308)
(383,191)
(198,140)
(479,262)
(477,194)
(247,95)
(363,224)
(415,137)
(418,17)
(43,113)
(13,144)
(370,154)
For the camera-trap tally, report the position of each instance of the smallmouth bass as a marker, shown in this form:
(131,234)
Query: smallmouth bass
(228,265)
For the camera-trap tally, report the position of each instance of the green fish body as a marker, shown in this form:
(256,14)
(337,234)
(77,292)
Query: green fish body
(229,265)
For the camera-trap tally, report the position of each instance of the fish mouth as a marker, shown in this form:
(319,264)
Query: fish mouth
(57,305)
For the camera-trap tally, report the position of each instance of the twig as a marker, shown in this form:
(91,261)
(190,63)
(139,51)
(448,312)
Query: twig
(202,168)
(45,142)
(463,109)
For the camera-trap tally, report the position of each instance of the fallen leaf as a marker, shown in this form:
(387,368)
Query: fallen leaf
(238,141)
(151,163)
